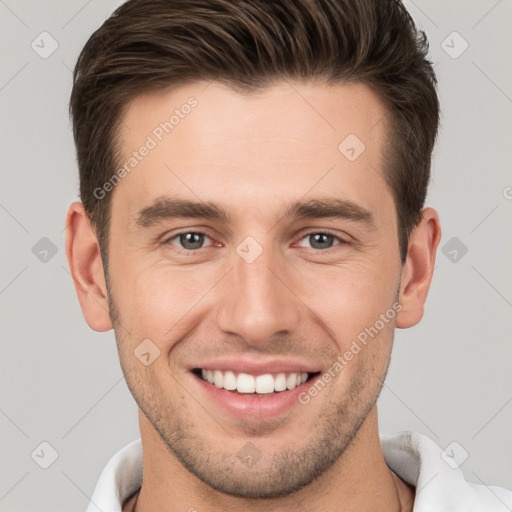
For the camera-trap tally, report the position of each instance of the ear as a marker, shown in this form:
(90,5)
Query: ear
(418,269)
(84,259)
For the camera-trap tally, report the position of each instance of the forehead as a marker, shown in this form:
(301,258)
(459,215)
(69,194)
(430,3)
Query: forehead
(286,110)
(292,139)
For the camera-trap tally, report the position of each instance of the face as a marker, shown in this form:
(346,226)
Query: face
(252,242)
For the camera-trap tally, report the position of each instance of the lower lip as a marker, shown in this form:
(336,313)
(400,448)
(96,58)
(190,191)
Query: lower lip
(254,407)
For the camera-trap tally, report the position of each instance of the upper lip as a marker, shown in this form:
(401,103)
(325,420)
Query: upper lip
(256,366)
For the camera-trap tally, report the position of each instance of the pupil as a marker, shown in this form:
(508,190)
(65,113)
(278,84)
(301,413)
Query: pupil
(191,240)
(319,239)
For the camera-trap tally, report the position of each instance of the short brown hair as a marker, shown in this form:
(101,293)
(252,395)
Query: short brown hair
(151,45)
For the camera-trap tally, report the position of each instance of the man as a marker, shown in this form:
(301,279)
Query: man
(252,226)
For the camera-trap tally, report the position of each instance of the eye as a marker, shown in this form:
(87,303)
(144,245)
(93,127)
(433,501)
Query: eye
(195,240)
(321,240)
(189,240)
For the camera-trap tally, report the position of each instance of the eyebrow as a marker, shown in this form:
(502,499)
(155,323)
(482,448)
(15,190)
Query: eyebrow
(166,208)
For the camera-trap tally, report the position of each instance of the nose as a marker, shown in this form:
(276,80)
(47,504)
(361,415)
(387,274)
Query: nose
(258,302)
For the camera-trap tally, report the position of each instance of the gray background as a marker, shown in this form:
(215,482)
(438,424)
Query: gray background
(61,383)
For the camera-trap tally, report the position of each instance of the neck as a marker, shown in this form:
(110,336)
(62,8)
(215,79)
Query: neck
(359,480)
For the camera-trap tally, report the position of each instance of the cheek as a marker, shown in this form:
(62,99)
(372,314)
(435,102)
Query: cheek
(157,302)
(346,299)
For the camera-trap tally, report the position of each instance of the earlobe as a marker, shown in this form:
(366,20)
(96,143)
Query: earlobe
(418,269)
(84,259)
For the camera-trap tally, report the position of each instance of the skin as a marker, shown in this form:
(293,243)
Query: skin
(251,154)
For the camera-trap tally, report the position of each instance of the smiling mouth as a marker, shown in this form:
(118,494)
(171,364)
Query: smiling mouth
(254,385)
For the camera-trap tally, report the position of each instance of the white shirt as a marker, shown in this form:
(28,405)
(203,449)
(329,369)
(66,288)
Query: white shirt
(416,459)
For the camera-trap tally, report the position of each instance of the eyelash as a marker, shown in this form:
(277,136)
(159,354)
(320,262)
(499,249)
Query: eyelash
(341,241)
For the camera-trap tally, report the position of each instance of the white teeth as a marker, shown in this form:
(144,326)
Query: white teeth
(218,379)
(291,381)
(245,383)
(262,384)
(265,383)
(229,381)
(280,382)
